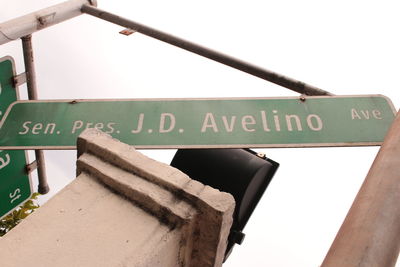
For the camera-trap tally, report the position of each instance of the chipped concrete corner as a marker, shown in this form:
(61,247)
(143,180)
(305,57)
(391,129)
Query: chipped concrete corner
(202,214)
(124,209)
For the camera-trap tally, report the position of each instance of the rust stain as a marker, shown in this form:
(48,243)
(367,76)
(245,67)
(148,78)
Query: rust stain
(127,32)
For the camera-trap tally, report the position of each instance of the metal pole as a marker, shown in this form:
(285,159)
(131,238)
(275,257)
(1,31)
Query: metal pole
(276,78)
(43,187)
(22,26)
(370,234)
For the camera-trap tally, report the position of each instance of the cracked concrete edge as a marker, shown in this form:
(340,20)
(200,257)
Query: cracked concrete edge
(149,196)
(102,145)
(212,222)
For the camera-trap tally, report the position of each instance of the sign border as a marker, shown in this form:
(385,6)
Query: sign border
(300,98)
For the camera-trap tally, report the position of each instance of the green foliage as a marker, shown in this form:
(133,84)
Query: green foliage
(14,218)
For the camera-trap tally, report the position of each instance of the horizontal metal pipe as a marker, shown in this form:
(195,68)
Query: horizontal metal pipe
(22,26)
(270,76)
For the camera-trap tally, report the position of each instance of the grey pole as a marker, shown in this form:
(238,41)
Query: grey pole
(370,234)
(43,187)
(22,26)
(270,76)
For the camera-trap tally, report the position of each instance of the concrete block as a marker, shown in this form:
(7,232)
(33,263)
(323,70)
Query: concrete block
(123,209)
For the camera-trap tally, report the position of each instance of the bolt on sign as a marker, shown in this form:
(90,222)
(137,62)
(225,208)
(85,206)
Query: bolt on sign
(15,184)
(190,123)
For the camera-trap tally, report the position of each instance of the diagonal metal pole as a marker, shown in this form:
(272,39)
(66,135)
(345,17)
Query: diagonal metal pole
(370,234)
(43,187)
(257,71)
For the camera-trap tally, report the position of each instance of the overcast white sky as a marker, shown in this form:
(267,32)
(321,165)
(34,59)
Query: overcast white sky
(345,47)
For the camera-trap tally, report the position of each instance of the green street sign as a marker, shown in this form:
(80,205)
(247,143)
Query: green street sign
(15,185)
(205,123)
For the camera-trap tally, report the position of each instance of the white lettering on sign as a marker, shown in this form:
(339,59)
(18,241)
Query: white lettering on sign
(246,121)
(28,127)
(15,195)
(377,114)
(365,114)
(264,121)
(317,119)
(4,163)
(289,122)
(38,128)
(229,127)
(140,124)
(209,122)
(79,125)
(171,120)
(167,124)
(256,122)
(249,123)
(277,122)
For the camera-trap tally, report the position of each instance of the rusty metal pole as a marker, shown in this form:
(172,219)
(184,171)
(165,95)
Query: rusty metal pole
(370,234)
(238,64)
(43,187)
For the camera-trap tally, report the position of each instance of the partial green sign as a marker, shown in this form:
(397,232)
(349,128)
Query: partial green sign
(177,123)
(15,186)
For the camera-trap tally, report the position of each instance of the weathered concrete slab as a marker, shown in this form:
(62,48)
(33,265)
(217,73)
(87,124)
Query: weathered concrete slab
(123,209)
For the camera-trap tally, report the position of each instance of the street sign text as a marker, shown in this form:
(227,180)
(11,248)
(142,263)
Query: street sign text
(177,123)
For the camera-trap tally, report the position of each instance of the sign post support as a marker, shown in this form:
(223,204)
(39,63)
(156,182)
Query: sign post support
(43,187)
(370,233)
